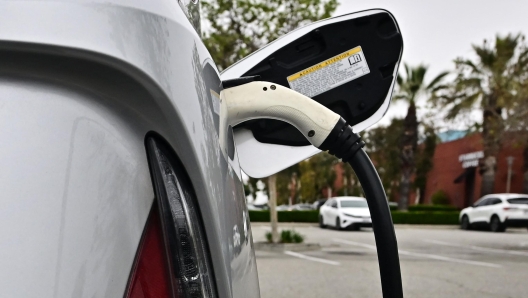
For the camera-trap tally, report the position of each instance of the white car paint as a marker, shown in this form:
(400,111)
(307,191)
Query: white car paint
(496,205)
(334,210)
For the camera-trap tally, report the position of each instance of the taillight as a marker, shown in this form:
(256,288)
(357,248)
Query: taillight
(186,251)
(510,208)
(150,275)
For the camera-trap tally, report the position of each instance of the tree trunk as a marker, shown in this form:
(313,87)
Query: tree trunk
(491,133)
(488,175)
(272,187)
(525,157)
(409,142)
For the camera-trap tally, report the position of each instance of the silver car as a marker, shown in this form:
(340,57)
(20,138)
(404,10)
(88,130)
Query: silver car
(112,180)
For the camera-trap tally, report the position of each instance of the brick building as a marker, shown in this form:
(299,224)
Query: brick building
(455,170)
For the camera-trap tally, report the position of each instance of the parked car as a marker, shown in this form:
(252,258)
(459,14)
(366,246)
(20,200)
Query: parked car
(345,213)
(302,207)
(496,212)
(283,208)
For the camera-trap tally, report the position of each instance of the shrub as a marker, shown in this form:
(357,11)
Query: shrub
(285,216)
(268,237)
(431,208)
(287,236)
(440,197)
(426,218)
(290,236)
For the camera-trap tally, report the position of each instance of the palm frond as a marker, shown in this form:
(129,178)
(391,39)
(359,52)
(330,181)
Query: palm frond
(437,80)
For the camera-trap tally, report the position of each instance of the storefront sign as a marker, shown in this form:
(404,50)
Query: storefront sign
(469,160)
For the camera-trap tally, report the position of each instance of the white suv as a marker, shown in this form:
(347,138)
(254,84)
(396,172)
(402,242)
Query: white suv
(496,211)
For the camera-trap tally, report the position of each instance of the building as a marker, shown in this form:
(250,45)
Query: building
(455,170)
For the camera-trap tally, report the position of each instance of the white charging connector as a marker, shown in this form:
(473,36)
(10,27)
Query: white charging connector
(264,100)
(325,130)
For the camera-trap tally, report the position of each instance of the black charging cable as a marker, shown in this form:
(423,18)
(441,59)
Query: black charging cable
(343,143)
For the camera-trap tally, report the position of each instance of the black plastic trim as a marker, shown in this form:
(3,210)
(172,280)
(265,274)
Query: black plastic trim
(152,142)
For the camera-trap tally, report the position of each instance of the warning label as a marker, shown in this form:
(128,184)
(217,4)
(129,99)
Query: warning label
(330,73)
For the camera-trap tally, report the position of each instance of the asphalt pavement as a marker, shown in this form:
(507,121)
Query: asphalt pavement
(435,261)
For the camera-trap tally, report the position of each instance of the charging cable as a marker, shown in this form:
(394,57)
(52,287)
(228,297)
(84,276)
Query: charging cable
(327,131)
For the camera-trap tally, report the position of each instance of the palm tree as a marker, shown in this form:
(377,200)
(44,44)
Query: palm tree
(489,83)
(410,87)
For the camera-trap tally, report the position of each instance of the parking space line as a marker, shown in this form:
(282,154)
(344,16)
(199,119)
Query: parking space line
(421,255)
(478,248)
(301,256)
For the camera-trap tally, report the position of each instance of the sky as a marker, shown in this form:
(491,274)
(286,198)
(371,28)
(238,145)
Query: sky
(436,32)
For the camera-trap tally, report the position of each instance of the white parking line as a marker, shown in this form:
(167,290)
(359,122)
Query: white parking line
(421,255)
(301,256)
(479,248)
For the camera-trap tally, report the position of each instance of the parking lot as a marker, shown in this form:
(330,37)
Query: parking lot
(435,262)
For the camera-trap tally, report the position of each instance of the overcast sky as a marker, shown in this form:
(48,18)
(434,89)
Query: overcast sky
(436,32)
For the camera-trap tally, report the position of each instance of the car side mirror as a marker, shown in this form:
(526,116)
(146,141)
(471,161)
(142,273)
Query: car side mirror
(347,63)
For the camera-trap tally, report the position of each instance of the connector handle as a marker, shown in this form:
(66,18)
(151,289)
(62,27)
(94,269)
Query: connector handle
(271,101)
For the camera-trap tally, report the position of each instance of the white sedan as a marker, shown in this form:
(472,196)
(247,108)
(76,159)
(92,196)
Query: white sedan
(497,212)
(345,213)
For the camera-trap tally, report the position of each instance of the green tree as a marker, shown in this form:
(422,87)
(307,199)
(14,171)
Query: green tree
(424,159)
(323,165)
(234,29)
(284,179)
(490,83)
(307,179)
(410,87)
(382,145)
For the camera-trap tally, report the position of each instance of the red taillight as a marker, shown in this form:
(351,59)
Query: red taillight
(150,276)
(510,208)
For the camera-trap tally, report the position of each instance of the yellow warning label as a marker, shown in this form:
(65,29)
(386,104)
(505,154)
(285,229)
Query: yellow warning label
(324,63)
(330,73)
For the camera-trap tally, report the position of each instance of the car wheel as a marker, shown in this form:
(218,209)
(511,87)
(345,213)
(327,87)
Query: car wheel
(338,224)
(321,222)
(464,223)
(496,225)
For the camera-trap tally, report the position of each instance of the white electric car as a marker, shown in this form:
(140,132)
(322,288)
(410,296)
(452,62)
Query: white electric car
(114,180)
(345,213)
(497,212)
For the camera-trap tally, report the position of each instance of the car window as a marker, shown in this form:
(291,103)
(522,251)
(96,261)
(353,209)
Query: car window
(328,202)
(334,204)
(481,203)
(495,201)
(353,204)
(518,201)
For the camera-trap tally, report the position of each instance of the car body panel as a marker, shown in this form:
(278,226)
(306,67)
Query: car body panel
(81,84)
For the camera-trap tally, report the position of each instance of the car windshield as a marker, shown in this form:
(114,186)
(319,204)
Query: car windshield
(353,204)
(518,201)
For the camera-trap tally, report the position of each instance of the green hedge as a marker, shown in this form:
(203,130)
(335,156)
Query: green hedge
(411,217)
(286,216)
(431,208)
(425,217)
